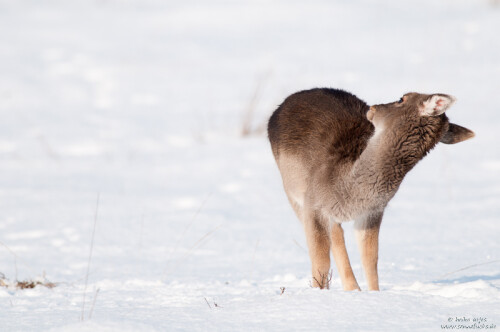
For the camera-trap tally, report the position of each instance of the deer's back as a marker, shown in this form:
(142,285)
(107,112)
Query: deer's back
(319,125)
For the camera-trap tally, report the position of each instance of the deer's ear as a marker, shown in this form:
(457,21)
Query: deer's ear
(456,134)
(436,105)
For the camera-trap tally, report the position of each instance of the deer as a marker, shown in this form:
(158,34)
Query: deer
(341,160)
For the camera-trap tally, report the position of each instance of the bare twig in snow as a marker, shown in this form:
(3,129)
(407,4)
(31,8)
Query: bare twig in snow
(325,281)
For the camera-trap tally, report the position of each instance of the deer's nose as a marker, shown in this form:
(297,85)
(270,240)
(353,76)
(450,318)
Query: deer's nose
(370,113)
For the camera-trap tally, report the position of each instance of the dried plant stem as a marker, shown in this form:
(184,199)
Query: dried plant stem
(200,242)
(90,258)
(468,267)
(325,281)
(93,303)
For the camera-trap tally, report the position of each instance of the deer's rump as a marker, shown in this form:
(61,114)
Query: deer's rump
(320,123)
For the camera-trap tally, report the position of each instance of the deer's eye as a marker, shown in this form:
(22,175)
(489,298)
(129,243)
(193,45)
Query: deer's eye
(400,100)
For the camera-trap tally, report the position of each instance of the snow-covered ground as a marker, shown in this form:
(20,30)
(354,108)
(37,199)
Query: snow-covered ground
(138,106)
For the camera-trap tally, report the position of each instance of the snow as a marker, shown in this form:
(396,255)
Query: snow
(141,103)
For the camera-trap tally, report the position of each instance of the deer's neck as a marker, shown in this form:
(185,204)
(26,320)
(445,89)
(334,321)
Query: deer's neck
(376,175)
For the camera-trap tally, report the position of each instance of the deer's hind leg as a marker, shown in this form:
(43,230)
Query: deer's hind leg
(295,182)
(318,242)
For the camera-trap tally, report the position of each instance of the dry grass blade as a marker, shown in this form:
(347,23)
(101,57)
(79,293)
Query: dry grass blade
(93,303)
(207,303)
(90,258)
(468,267)
(298,245)
(200,241)
(16,259)
(188,226)
(195,246)
(247,121)
(253,258)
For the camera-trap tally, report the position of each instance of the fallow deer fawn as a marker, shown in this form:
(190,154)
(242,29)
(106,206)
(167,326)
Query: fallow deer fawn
(342,160)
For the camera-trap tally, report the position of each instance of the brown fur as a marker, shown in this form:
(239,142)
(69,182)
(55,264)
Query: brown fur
(342,160)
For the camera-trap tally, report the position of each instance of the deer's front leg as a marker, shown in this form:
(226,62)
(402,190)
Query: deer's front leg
(367,232)
(341,258)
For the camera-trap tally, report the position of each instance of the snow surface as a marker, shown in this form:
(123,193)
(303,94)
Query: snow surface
(142,103)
